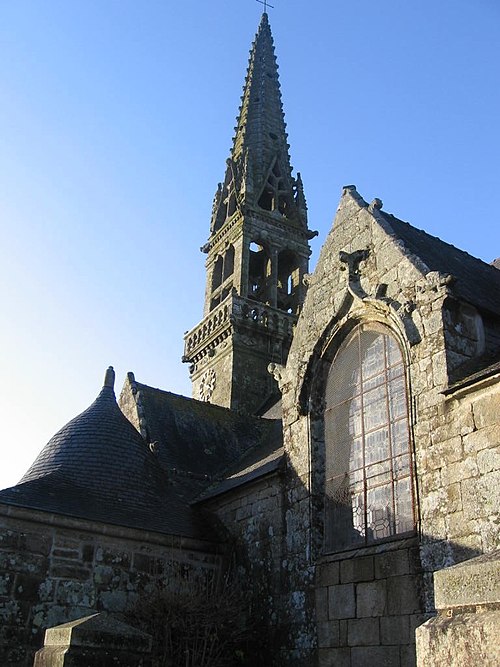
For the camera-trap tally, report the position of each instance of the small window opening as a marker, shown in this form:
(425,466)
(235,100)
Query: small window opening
(228,263)
(257,272)
(217,273)
(288,281)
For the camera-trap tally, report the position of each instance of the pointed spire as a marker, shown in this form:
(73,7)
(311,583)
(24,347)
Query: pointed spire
(258,174)
(261,123)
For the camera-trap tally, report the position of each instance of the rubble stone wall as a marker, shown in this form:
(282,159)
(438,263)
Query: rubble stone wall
(253,517)
(55,569)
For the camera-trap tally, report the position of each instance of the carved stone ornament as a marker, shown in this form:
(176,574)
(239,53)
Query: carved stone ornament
(207,385)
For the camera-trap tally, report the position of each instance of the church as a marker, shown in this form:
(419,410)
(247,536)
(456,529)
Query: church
(341,447)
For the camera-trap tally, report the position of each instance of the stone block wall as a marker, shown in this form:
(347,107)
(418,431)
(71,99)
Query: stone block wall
(253,517)
(55,569)
(465,630)
(368,604)
(459,474)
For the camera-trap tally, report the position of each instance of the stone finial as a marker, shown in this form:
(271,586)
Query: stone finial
(277,371)
(376,204)
(109,378)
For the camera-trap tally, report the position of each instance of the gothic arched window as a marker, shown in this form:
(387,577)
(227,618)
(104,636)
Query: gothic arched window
(368,473)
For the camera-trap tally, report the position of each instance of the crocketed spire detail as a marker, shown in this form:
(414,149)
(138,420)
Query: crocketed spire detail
(259,174)
(257,252)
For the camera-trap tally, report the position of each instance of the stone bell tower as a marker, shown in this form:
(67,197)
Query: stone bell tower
(257,251)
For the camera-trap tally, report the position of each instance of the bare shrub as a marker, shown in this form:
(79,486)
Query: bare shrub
(202,623)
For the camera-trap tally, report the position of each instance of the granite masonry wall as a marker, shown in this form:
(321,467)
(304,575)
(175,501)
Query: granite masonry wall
(459,475)
(375,598)
(465,630)
(368,604)
(55,569)
(253,517)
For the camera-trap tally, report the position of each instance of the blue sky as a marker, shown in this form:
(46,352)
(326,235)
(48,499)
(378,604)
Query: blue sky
(116,118)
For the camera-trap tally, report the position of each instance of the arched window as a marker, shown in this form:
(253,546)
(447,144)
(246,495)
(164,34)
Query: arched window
(258,272)
(288,281)
(368,474)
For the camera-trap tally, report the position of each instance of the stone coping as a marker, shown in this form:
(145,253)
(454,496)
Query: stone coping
(473,582)
(109,530)
(372,550)
(98,631)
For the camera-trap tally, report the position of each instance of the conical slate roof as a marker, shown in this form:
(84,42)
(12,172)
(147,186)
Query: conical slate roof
(98,467)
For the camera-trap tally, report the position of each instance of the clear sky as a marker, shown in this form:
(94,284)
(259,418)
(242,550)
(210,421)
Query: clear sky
(116,117)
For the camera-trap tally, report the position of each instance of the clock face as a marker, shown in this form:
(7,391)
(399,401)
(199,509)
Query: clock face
(207,385)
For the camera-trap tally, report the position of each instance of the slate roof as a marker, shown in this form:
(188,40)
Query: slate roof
(198,442)
(99,468)
(257,463)
(477,283)
(475,370)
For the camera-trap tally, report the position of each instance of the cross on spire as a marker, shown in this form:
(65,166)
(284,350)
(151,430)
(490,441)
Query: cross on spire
(266,5)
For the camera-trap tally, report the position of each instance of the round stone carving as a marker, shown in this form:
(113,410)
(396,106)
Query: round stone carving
(207,385)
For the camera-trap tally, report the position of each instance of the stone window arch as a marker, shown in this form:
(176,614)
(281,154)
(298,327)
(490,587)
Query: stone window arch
(368,485)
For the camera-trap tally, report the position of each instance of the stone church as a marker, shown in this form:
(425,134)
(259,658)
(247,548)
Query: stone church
(343,434)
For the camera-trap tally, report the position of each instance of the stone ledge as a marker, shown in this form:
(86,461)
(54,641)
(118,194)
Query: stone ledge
(43,520)
(473,582)
(464,639)
(98,631)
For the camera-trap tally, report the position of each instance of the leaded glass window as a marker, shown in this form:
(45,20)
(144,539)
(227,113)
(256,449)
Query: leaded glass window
(368,480)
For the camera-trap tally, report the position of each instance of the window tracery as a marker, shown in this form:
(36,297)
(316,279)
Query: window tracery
(368,470)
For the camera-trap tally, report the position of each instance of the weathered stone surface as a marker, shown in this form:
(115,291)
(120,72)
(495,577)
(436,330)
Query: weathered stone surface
(392,564)
(356,569)
(328,633)
(468,639)
(465,632)
(383,656)
(403,595)
(474,582)
(94,641)
(363,632)
(341,601)
(395,630)
(328,574)
(371,599)
(68,574)
(337,657)
(486,410)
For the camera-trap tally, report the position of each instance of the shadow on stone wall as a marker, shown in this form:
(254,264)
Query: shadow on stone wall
(332,605)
